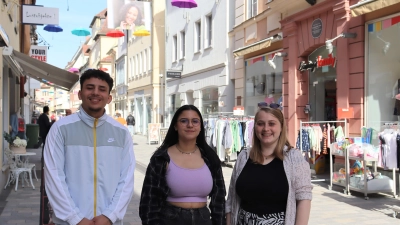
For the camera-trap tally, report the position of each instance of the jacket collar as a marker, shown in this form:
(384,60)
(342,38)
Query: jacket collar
(90,120)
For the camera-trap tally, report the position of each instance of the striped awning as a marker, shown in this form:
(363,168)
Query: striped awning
(367,6)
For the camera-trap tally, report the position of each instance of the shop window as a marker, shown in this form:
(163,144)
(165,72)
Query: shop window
(383,71)
(209,100)
(263,83)
(175,100)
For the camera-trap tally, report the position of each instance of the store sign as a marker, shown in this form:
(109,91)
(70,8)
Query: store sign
(33,14)
(4,40)
(330,61)
(316,28)
(174,74)
(238,111)
(38,52)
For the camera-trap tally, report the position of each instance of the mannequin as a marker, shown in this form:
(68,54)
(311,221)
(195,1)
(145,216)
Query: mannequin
(269,99)
(18,125)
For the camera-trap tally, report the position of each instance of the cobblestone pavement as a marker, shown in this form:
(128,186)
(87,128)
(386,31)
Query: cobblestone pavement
(328,207)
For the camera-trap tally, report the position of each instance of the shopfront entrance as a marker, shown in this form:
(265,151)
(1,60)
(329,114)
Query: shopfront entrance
(322,86)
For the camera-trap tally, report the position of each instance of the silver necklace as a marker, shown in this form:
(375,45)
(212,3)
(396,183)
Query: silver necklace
(186,153)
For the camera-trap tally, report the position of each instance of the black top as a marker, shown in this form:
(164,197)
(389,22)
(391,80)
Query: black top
(130,120)
(263,189)
(44,126)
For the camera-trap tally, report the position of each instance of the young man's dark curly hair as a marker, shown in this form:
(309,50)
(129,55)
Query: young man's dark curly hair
(99,74)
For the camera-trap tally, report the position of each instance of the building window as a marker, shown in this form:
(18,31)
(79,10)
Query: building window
(208,30)
(145,61)
(175,48)
(140,63)
(136,65)
(197,35)
(150,58)
(183,44)
(251,8)
(131,67)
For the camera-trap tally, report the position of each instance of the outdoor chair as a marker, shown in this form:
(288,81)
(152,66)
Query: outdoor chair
(15,171)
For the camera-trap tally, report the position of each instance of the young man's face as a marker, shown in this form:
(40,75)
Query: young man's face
(95,95)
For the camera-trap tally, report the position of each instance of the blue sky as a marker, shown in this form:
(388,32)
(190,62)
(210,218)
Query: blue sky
(64,44)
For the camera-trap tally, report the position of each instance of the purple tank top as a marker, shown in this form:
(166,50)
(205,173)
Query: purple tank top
(188,185)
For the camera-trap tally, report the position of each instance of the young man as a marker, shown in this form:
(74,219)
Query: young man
(89,160)
(44,124)
(121,120)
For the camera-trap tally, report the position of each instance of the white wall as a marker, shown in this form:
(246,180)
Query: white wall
(207,67)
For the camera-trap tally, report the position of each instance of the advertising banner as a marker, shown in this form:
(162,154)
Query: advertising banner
(129,15)
(38,52)
(33,14)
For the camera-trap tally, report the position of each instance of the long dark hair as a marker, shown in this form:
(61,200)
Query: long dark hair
(172,136)
(124,10)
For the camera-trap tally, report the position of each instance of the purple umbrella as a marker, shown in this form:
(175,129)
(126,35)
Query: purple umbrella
(73,70)
(184,3)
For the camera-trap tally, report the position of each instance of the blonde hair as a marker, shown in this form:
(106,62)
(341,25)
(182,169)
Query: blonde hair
(256,152)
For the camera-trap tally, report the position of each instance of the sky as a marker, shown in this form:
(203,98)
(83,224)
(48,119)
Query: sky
(72,14)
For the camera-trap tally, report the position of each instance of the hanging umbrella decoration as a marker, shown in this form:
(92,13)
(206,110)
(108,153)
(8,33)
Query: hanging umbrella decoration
(73,70)
(184,3)
(115,33)
(141,33)
(80,32)
(53,28)
(103,69)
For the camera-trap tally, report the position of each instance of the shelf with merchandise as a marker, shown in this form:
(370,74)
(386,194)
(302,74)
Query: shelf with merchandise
(359,178)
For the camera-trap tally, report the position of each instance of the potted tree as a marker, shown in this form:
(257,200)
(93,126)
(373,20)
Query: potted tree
(17,145)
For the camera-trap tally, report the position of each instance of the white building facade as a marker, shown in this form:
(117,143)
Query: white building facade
(197,45)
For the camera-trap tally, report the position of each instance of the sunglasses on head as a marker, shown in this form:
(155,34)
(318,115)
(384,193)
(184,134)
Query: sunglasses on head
(266,105)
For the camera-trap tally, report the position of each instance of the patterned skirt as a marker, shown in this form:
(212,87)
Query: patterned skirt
(247,218)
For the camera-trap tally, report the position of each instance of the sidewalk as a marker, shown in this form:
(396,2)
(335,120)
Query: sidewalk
(328,207)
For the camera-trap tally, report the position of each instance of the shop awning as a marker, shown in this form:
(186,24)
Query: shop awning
(367,6)
(45,73)
(265,43)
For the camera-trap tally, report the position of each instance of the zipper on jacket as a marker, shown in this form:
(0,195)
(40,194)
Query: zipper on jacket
(95,167)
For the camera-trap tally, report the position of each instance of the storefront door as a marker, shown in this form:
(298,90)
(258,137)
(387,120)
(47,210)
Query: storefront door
(322,88)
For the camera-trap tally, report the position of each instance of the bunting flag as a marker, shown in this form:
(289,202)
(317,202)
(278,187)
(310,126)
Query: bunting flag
(380,25)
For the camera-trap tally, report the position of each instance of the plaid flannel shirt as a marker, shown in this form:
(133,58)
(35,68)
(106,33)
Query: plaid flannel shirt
(155,191)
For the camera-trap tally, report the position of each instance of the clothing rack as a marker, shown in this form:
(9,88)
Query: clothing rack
(313,153)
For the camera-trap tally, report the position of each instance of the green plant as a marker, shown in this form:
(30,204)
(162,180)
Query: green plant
(8,138)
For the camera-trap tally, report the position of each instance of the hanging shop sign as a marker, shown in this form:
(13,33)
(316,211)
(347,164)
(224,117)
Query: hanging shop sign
(174,74)
(238,111)
(345,113)
(4,40)
(330,61)
(38,52)
(33,14)
(316,28)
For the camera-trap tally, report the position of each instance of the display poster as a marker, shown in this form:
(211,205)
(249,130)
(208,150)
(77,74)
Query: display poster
(129,15)
(162,133)
(152,132)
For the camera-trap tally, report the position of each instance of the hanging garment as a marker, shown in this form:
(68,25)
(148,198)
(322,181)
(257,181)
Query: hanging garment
(325,141)
(339,132)
(305,141)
